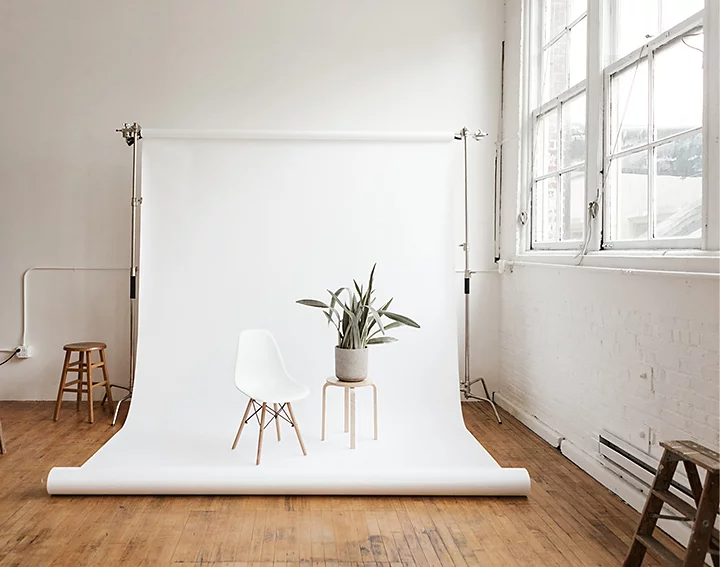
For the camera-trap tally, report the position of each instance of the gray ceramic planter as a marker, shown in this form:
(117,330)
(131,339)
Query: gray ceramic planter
(351,364)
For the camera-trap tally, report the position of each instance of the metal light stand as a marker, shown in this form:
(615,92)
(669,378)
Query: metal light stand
(132,134)
(466,383)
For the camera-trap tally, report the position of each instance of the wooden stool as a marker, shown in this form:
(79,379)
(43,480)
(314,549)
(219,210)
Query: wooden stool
(83,365)
(704,537)
(349,404)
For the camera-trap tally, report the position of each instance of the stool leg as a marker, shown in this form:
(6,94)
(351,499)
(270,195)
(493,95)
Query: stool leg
(81,358)
(352,418)
(88,360)
(324,403)
(106,377)
(374,387)
(63,379)
(347,407)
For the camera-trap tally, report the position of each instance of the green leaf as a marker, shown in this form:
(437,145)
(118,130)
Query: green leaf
(376,317)
(381,340)
(337,293)
(400,319)
(312,303)
(393,325)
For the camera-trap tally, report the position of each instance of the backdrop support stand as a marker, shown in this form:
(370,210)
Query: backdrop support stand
(132,133)
(466,383)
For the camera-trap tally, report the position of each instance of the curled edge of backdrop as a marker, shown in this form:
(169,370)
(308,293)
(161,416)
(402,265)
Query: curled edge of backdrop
(231,481)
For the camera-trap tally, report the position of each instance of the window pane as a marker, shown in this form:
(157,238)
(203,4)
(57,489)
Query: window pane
(573,134)
(573,205)
(675,11)
(629,112)
(578,50)
(558,14)
(678,188)
(555,18)
(546,144)
(678,87)
(636,22)
(629,197)
(555,74)
(545,208)
(577,8)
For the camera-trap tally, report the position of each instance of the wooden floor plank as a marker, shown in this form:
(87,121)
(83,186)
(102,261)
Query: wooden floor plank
(569,520)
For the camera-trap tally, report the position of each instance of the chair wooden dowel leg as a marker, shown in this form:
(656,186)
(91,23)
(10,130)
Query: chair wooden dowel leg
(277,420)
(262,430)
(63,378)
(242,424)
(297,429)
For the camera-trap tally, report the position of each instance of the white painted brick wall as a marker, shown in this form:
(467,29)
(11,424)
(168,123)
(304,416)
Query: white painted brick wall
(634,354)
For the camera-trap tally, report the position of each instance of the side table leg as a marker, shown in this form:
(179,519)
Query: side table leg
(324,403)
(352,418)
(347,403)
(375,409)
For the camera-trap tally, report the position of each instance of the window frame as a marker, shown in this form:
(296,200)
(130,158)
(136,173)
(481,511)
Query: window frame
(647,52)
(596,88)
(542,108)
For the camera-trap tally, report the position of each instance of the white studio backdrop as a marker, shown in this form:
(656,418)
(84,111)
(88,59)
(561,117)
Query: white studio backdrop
(233,232)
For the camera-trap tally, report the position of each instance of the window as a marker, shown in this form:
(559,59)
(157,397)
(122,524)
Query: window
(639,182)
(559,146)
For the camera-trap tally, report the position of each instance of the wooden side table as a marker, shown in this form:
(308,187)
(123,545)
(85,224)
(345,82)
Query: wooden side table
(349,405)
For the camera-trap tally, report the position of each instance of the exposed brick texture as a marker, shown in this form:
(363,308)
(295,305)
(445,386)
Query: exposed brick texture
(634,354)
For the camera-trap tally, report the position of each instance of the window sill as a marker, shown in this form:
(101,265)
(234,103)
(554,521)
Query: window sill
(691,261)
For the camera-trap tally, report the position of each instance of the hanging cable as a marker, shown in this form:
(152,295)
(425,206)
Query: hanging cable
(9,358)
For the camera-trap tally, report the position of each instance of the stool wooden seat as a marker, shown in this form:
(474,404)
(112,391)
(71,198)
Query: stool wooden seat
(704,537)
(84,367)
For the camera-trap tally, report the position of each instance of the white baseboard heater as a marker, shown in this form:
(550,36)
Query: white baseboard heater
(638,467)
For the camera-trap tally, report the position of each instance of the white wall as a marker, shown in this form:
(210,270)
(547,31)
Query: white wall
(74,71)
(575,342)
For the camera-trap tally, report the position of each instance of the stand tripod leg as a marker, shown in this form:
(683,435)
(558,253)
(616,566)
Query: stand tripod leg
(117,408)
(488,398)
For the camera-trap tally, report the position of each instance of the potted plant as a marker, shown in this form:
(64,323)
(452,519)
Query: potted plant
(359,324)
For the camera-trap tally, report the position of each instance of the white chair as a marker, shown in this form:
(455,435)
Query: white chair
(260,374)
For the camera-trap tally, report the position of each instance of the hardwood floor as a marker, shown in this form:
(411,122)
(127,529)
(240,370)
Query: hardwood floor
(568,520)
